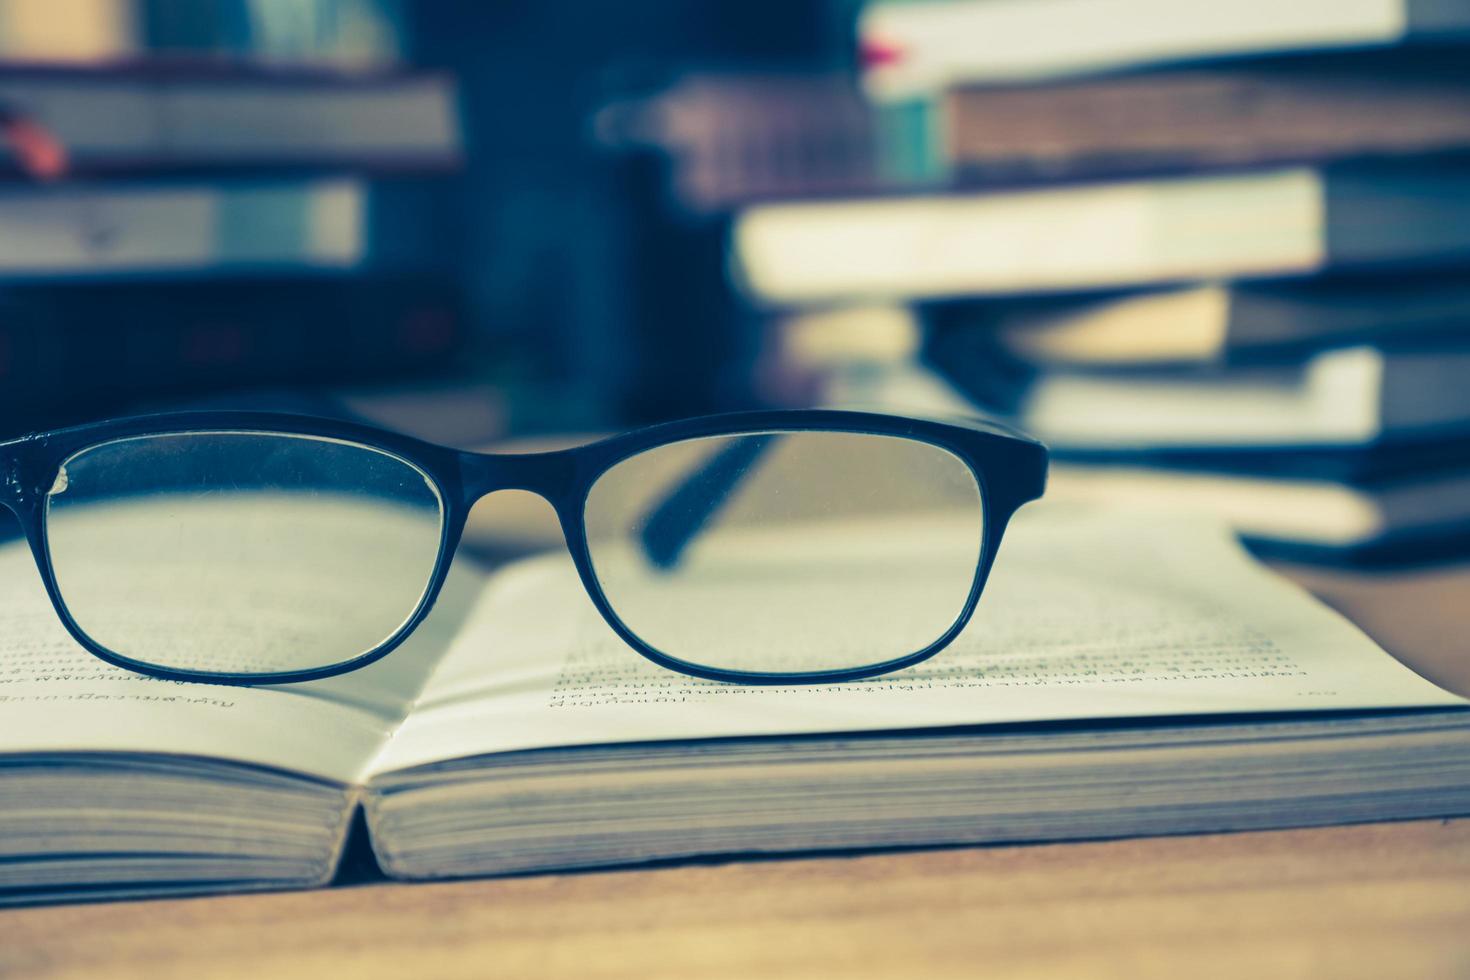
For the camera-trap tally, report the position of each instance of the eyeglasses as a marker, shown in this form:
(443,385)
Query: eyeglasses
(242,548)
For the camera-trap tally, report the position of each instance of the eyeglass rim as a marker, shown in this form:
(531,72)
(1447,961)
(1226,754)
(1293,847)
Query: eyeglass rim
(1009,468)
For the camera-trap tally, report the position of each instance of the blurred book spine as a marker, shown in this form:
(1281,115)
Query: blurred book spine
(1280,111)
(1348,396)
(155,230)
(1215,323)
(1074,237)
(152,119)
(339,34)
(68,30)
(915,46)
(190,229)
(344,34)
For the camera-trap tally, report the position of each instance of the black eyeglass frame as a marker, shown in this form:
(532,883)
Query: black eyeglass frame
(1009,468)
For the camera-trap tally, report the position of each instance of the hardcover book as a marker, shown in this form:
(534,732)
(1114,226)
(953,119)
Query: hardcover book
(1106,235)
(918,46)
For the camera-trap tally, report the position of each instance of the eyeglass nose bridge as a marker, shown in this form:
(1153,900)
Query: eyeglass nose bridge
(551,475)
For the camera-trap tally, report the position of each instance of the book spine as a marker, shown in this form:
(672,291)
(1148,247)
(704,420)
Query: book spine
(337,33)
(912,140)
(204,229)
(345,33)
(1206,119)
(146,120)
(917,46)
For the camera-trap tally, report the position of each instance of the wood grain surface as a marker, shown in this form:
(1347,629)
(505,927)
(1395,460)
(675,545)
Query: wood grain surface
(1420,616)
(1382,900)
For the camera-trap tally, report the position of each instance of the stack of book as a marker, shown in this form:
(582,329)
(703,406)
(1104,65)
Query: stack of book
(1215,258)
(240,193)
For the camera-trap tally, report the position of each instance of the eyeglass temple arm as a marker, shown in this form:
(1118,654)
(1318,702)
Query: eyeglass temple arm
(672,524)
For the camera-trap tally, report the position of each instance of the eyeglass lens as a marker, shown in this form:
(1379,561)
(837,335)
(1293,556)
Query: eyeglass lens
(798,552)
(241,553)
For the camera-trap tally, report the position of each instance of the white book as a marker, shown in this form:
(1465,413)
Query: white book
(1211,323)
(180,228)
(1113,650)
(924,46)
(60,31)
(1348,397)
(1285,511)
(1292,221)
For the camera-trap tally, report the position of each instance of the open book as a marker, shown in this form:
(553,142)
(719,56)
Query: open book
(1122,676)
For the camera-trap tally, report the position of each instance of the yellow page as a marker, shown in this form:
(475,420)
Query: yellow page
(1088,614)
(57,697)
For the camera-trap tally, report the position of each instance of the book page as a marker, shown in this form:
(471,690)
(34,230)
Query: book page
(1088,614)
(57,697)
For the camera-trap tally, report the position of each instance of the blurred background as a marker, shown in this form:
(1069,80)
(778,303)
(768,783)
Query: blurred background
(1213,254)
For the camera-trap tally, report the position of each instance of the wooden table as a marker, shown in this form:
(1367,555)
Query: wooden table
(1380,900)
